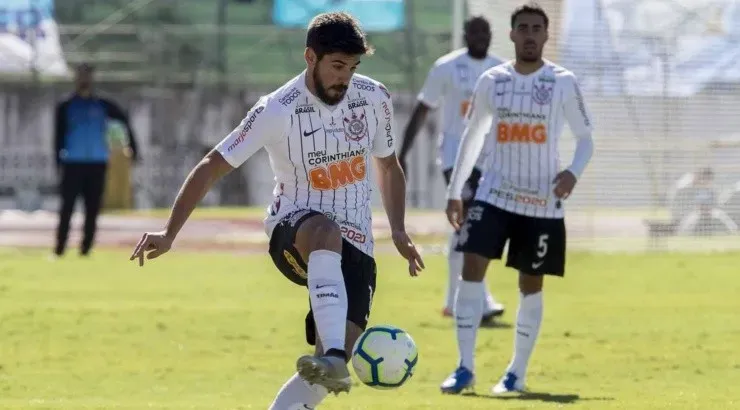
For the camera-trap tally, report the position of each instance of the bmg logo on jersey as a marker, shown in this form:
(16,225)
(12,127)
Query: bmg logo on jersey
(338,174)
(292,95)
(247,127)
(521,133)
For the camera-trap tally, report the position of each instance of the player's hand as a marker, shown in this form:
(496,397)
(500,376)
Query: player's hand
(155,243)
(564,182)
(455,213)
(408,250)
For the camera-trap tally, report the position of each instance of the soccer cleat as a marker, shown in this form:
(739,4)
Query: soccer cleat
(509,383)
(328,371)
(461,379)
(488,317)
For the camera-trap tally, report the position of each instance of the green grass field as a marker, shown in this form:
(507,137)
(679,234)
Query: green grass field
(217,331)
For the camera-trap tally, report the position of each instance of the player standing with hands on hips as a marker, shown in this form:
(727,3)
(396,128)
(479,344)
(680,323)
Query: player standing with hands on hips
(521,107)
(450,83)
(320,129)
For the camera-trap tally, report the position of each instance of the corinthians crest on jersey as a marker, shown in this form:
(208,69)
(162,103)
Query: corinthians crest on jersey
(354,127)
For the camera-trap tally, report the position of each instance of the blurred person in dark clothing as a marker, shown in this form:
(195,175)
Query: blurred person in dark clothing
(81,152)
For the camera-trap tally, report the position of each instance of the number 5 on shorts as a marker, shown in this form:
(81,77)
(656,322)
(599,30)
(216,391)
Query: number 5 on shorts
(542,245)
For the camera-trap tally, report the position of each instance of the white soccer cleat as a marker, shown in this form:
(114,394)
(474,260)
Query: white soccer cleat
(328,371)
(508,384)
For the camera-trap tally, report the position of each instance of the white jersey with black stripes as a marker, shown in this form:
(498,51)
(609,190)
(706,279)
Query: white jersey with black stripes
(319,154)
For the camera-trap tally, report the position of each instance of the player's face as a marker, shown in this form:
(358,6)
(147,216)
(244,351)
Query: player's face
(529,36)
(332,74)
(478,38)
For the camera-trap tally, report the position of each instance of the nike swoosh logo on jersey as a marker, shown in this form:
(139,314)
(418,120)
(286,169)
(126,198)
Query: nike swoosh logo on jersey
(306,133)
(537,265)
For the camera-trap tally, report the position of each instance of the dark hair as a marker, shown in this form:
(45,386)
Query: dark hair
(476,19)
(529,8)
(336,33)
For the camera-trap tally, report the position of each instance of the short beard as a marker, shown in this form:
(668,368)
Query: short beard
(322,93)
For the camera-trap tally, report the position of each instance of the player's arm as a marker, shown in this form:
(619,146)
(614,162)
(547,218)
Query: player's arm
(427,100)
(60,129)
(255,131)
(579,120)
(115,112)
(392,184)
(479,119)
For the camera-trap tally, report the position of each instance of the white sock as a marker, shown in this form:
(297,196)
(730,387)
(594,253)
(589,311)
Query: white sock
(528,321)
(297,394)
(328,297)
(454,270)
(468,313)
(454,273)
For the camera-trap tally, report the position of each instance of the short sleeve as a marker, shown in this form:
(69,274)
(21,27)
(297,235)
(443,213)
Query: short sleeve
(385,136)
(434,86)
(260,127)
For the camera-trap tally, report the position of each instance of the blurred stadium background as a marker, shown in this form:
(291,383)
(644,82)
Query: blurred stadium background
(661,77)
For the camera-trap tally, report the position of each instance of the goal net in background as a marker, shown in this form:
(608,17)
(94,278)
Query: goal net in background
(661,79)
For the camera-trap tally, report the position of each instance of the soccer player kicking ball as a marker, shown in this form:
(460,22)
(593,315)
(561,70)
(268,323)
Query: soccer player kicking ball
(450,82)
(320,130)
(521,106)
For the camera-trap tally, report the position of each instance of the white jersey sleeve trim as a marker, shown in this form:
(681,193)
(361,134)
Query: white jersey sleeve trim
(384,142)
(260,127)
(479,120)
(579,121)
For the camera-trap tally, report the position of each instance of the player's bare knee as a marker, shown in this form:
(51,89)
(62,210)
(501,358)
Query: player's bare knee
(318,233)
(474,267)
(530,284)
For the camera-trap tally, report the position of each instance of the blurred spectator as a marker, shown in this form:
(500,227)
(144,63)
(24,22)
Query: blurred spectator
(82,153)
(704,217)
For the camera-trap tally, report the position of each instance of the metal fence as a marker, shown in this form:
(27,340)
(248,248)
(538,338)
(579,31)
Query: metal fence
(639,186)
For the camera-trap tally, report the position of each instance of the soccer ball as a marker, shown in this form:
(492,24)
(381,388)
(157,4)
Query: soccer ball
(384,357)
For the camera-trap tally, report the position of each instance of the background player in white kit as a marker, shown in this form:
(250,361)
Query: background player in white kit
(450,84)
(520,107)
(320,130)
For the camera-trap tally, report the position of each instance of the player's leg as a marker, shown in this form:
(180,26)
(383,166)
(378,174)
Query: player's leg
(359,272)
(492,309)
(536,250)
(482,238)
(69,188)
(297,393)
(92,193)
(318,241)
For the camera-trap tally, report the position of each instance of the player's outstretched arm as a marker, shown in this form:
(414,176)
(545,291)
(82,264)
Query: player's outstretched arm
(479,120)
(211,168)
(259,127)
(392,185)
